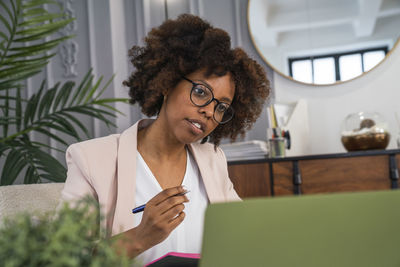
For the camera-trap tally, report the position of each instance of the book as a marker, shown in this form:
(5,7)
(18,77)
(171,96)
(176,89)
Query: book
(255,149)
(175,259)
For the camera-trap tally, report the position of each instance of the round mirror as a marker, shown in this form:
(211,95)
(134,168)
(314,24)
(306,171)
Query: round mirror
(323,41)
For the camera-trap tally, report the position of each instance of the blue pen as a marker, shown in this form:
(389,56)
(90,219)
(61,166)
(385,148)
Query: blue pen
(141,207)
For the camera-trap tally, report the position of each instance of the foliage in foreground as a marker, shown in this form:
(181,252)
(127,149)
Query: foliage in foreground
(69,237)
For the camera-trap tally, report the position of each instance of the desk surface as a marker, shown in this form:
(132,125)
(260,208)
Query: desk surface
(320,156)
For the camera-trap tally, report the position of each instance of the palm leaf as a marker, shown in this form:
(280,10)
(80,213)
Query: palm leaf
(56,109)
(24,22)
(13,165)
(50,111)
(39,165)
(48,133)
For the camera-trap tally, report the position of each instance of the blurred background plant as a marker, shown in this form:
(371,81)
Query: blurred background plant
(27,43)
(69,238)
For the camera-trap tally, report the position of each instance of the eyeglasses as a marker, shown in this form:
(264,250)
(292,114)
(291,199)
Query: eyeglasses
(201,95)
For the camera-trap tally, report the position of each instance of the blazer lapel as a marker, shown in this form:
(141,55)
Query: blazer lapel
(126,180)
(206,172)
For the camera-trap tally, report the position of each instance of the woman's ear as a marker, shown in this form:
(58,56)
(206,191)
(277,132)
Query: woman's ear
(165,94)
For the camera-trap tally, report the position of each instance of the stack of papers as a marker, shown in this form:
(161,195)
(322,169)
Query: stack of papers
(247,150)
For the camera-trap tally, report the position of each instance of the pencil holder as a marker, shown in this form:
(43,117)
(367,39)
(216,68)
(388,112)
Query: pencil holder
(276,147)
(278,142)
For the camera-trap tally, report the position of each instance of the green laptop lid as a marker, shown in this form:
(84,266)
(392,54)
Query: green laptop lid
(352,229)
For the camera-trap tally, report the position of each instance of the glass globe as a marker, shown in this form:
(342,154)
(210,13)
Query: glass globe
(365,130)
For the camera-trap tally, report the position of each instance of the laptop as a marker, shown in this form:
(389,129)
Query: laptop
(351,229)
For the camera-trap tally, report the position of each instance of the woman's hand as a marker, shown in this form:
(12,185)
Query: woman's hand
(162,214)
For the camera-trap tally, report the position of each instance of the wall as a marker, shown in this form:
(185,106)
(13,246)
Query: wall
(377,91)
(106,29)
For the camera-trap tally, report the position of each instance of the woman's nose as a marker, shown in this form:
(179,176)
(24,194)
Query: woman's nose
(208,110)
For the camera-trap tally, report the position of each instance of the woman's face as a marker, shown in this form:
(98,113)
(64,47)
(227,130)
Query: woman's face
(187,122)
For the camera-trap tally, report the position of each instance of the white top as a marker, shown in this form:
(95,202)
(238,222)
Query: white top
(187,237)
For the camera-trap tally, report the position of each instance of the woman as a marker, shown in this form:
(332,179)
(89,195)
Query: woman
(199,89)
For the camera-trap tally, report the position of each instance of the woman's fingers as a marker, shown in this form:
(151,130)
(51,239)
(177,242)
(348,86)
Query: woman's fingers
(165,194)
(162,214)
(171,202)
(171,213)
(177,221)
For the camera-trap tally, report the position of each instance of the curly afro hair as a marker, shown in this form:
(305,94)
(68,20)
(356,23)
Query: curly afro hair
(182,46)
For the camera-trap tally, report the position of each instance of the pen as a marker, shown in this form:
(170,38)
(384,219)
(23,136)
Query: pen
(141,207)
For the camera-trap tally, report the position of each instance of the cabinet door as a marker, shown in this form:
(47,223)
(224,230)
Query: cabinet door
(334,175)
(250,180)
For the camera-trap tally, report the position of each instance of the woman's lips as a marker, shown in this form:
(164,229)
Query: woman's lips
(196,126)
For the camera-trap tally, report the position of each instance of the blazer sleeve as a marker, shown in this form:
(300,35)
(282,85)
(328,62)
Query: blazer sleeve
(78,183)
(229,190)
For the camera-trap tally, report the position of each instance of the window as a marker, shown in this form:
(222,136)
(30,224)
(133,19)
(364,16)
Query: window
(326,69)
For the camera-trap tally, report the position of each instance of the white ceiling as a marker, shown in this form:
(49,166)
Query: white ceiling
(284,17)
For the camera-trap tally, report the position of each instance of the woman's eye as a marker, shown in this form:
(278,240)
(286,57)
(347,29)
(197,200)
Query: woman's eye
(200,92)
(222,108)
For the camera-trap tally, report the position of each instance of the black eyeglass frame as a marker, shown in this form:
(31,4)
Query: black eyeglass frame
(209,101)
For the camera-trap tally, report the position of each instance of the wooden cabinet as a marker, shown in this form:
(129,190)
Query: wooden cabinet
(344,172)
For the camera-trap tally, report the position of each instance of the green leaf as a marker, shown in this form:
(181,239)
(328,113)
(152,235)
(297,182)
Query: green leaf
(49,163)
(17,8)
(5,37)
(3,147)
(77,122)
(93,112)
(7,121)
(66,124)
(93,90)
(40,19)
(78,90)
(34,11)
(50,27)
(84,90)
(12,167)
(30,176)
(30,110)
(47,101)
(6,24)
(62,129)
(84,111)
(110,107)
(12,83)
(105,86)
(2,47)
(34,3)
(51,135)
(11,98)
(6,103)
(34,49)
(18,110)
(17,71)
(5,7)
(37,36)
(32,61)
(47,146)
(102,111)
(63,94)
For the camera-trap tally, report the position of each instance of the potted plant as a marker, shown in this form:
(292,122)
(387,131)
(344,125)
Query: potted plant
(27,43)
(69,237)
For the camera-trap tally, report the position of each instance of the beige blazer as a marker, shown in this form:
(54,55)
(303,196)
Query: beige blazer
(105,168)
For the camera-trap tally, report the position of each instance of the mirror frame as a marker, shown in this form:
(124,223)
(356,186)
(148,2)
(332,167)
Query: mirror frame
(300,82)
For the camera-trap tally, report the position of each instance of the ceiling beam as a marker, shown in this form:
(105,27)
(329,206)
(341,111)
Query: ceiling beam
(364,24)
